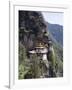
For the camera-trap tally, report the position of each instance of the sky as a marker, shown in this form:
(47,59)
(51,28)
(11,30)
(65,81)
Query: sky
(53,17)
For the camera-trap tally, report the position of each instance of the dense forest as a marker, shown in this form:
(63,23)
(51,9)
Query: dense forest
(34,29)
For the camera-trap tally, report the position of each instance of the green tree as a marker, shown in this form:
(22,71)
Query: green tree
(23,61)
(35,66)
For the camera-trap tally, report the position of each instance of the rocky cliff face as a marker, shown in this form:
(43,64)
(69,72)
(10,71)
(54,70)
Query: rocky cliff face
(32,27)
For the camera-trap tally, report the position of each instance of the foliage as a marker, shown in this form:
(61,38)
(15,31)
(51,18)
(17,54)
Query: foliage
(23,61)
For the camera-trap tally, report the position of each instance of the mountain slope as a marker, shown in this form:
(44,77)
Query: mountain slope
(57,44)
(57,32)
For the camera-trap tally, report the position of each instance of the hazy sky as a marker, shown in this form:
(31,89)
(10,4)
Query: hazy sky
(54,18)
